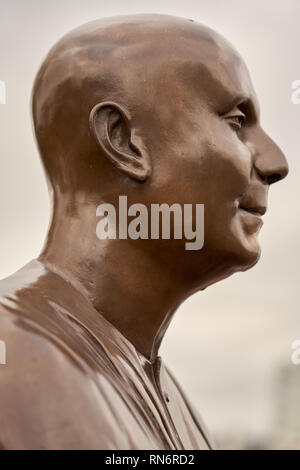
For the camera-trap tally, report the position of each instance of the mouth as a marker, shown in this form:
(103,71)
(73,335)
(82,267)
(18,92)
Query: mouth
(252,218)
(257,210)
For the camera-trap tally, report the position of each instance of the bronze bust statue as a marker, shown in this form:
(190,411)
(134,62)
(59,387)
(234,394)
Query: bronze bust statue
(161,110)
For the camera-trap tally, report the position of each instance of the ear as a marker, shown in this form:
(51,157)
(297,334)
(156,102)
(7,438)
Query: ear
(112,129)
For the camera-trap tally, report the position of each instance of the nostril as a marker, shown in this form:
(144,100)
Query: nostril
(273,178)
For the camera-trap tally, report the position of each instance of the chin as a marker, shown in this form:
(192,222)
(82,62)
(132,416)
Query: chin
(241,257)
(248,254)
(241,245)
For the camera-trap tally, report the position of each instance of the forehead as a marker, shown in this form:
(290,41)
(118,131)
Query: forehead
(207,67)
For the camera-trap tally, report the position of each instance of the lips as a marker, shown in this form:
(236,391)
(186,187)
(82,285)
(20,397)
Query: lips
(255,209)
(251,218)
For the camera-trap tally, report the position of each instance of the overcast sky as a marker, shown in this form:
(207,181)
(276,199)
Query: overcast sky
(225,344)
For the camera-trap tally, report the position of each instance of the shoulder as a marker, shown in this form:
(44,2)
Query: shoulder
(48,397)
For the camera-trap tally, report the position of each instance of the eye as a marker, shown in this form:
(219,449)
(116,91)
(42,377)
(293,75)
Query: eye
(236,118)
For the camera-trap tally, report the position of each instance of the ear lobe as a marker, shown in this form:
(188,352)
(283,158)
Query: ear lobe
(111,127)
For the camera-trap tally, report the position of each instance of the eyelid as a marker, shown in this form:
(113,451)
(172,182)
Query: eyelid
(234,113)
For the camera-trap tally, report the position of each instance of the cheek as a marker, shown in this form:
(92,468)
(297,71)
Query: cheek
(216,170)
(230,165)
(202,162)
(228,157)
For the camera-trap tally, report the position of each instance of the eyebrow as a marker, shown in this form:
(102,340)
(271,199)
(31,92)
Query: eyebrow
(233,96)
(250,107)
(247,104)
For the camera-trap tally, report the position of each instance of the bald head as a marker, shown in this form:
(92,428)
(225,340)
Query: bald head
(129,61)
(165,102)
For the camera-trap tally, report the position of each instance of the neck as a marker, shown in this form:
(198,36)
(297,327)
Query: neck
(135,289)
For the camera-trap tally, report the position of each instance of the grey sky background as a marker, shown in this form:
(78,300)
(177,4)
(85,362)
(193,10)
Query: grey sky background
(227,343)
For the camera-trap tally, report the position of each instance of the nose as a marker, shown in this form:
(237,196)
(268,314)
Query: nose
(270,162)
